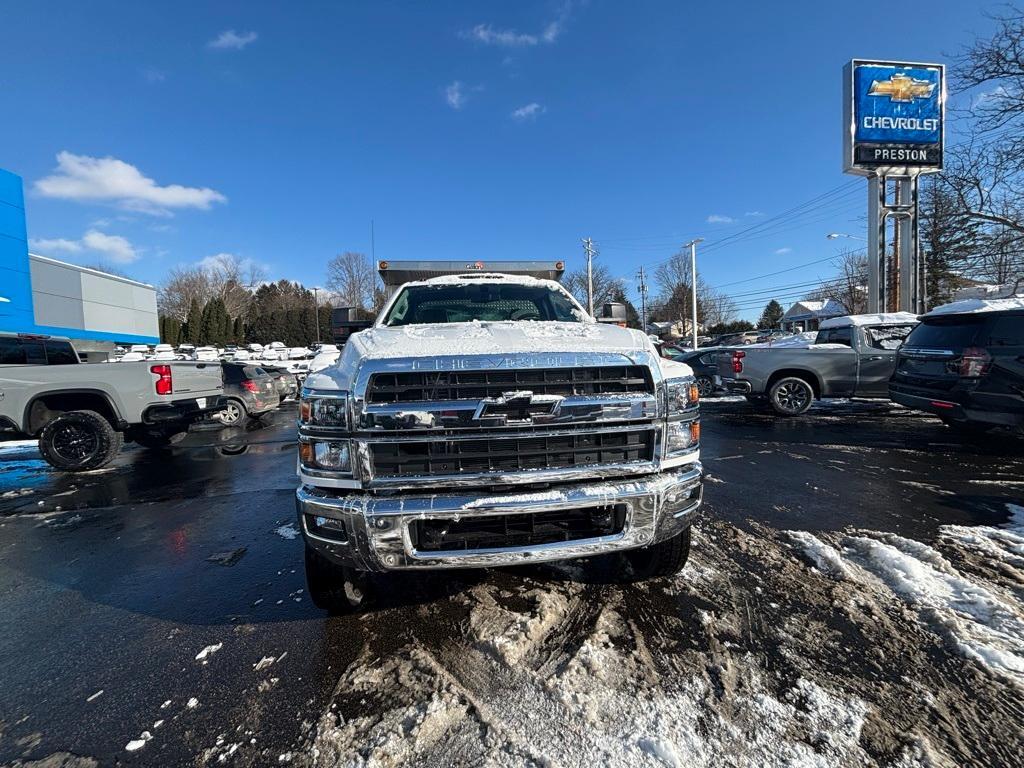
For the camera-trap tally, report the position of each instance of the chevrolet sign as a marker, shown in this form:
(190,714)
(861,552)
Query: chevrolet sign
(893,116)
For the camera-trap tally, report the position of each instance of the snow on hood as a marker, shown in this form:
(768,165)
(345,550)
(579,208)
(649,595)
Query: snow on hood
(970,306)
(673,369)
(489,338)
(883,318)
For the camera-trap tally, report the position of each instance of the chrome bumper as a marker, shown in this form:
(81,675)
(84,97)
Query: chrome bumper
(374,535)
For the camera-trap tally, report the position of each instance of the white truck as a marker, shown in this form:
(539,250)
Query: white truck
(83,412)
(488,420)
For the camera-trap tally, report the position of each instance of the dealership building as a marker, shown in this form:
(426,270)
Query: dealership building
(40,295)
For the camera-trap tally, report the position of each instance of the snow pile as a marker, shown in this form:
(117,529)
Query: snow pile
(798,340)
(512,634)
(971,306)
(880,318)
(504,337)
(978,617)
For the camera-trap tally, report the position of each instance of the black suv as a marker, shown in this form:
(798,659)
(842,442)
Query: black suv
(966,368)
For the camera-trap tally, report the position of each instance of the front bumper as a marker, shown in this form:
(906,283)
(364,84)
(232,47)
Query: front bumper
(373,534)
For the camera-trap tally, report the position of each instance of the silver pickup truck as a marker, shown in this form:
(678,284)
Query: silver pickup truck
(852,356)
(83,412)
(487,420)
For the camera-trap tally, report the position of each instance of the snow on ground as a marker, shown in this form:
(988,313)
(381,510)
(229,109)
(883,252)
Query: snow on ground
(981,620)
(13,446)
(288,531)
(770,649)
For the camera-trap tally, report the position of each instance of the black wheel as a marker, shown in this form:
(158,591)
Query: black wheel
(333,588)
(790,396)
(78,441)
(666,558)
(705,386)
(234,413)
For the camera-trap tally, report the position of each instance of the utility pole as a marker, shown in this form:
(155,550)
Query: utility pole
(316,314)
(643,301)
(588,247)
(692,245)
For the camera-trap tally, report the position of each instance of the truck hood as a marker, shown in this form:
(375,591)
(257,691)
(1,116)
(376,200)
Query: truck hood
(457,339)
(502,337)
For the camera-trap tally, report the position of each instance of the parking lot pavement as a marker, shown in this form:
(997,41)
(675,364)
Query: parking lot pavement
(854,596)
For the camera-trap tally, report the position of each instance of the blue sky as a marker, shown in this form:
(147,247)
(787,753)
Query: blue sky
(155,135)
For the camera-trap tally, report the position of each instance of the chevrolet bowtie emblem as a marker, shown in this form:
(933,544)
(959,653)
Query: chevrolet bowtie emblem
(902,88)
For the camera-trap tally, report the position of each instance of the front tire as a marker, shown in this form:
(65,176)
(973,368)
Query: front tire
(334,588)
(791,396)
(79,441)
(666,558)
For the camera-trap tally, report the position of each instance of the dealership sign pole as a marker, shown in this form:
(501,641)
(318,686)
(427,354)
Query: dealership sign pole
(893,131)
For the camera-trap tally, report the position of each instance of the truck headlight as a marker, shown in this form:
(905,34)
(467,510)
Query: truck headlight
(681,436)
(334,455)
(329,411)
(680,395)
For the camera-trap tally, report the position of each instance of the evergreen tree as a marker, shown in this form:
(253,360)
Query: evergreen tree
(772,316)
(228,332)
(238,331)
(193,322)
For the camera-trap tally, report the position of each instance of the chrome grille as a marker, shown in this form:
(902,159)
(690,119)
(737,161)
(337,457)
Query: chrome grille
(425,386)
(443,457)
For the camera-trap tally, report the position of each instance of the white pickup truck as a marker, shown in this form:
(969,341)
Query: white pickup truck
(83,412)
(488,420)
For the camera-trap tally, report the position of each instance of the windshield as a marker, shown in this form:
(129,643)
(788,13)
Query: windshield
(489,302)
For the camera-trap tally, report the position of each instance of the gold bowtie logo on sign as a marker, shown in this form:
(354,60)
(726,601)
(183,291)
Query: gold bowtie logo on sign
(902,88)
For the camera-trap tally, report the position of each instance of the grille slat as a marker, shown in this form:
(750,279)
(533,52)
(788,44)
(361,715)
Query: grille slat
(455,457)
(417,386)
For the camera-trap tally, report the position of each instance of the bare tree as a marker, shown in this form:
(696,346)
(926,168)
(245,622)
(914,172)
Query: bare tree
(224,277)
(849,287)
(350,276)
(714,307)
(606,287)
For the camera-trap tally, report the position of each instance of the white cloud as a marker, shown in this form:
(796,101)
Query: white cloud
(116,248)
(230,40)
(783,251)
(154,75)
(754,213)
(455,95)
(506,38)
(109,180)
(718,218)
(486,34)
(528,112)
(54,245)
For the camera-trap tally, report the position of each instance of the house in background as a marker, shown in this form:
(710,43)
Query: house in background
(807,315)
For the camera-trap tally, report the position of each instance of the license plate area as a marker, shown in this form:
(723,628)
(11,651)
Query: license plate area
(496,532)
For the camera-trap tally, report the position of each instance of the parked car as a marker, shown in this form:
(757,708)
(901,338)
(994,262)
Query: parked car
(83,412)
(704,363)
(965,364)
(248,391)
(285,382)
(207,354)
(853,356)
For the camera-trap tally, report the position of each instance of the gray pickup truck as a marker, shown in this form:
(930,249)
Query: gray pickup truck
(852,356)
(83,412)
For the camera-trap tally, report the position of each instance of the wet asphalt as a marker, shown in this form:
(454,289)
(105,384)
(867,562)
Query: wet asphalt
(113,582)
